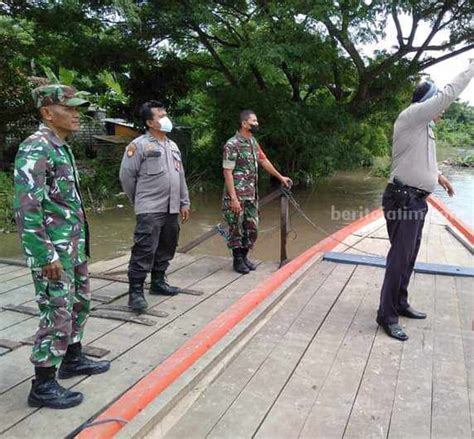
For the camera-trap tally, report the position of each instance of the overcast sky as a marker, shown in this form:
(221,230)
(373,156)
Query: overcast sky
(441,73)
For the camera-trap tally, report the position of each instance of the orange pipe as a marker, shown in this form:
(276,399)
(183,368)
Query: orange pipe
(151,385)
(460,225)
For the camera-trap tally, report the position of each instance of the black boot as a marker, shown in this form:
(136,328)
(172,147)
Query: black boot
(136,297)
(239,263)
(76,363)
(160,286)
(251,266)
(46,391)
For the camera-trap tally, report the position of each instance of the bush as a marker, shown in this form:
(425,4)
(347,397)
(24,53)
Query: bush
(7,218)
(99,183)
(304,141)
(382,167)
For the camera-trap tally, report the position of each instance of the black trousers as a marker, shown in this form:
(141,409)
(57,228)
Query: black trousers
(155,240)
(404,226)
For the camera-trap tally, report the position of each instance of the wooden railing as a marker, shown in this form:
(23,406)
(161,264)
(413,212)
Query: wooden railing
(265,200)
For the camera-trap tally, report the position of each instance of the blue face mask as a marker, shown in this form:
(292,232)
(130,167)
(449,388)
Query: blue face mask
(166,125)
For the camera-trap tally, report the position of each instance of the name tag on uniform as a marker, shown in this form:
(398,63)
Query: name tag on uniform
(152,151)
(176,160)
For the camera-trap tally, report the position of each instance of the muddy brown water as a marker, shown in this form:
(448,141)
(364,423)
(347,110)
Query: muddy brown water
(331,204)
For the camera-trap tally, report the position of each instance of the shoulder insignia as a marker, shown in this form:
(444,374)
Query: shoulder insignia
(131,150)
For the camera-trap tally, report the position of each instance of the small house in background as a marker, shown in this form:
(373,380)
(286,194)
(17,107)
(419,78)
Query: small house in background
(119,127)
(110,146)
(119,133)
(99,137)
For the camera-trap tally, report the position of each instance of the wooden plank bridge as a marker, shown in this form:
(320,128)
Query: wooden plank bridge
(308,362)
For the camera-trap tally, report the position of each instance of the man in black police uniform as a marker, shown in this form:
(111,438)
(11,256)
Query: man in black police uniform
(414,176)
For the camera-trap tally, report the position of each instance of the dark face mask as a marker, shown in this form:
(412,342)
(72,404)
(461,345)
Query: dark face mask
(254,128)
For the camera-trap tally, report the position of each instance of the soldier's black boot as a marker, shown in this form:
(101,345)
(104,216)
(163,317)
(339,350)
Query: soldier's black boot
(136,296)
(76,363)
(239,263)
(251,266)
(160,286)
(46,391)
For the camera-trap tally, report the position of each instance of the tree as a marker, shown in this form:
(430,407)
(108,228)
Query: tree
(298,63)
(354,23)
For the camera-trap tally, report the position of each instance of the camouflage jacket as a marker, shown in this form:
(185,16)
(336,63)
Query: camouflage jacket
(48,208)
(242,156)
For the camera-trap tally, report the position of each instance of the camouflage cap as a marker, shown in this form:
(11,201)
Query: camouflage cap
(57,94)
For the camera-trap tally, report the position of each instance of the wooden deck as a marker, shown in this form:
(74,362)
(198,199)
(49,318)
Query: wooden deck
(134,348)
(316,366)
(321,368)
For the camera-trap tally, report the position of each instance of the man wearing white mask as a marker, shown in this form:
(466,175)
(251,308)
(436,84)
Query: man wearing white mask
(153,178)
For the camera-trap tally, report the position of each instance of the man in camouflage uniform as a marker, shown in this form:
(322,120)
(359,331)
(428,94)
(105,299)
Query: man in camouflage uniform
(242,155)
(53,231)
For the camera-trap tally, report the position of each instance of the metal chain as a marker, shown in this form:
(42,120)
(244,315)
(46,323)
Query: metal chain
(287,193)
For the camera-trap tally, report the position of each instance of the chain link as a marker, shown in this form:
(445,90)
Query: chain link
(288,194)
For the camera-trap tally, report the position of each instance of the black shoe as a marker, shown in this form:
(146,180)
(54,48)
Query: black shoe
(251,266)
(75,363)
(136,297)
(239,264)
(160,286)
(412,313)
(46,391)
(393,330)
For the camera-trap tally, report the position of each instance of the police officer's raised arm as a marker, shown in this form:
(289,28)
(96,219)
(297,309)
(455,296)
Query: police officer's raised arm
(30,186)
(426,111)
(129,170)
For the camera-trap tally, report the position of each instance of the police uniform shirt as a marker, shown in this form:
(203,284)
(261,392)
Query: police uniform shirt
(152,176)
(414,148)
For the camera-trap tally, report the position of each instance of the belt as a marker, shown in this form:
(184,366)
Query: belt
(419,193)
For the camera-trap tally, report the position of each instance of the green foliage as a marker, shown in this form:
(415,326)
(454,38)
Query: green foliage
(114,96)
(65,77)
(15,85)
(323,103)
(466,161)
(381,167)
(99,183)
(456,128)
(7,220)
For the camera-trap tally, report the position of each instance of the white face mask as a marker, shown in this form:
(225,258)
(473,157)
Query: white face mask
(166,124)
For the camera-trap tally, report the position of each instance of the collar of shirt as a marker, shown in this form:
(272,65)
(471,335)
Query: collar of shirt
(241,138)
(51,135)
(152,138)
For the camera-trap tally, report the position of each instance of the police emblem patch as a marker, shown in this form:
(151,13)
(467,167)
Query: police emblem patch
(131,149)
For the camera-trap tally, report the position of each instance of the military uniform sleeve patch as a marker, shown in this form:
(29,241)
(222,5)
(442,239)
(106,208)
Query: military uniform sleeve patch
(131,150)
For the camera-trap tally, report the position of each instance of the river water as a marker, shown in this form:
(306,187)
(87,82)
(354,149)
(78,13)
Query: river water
(330,204)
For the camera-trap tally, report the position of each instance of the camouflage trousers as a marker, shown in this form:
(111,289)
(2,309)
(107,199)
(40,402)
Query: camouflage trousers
(243,227)
(64,307)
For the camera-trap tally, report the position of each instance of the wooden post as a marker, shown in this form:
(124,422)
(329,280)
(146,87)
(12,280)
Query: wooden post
(283,229)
